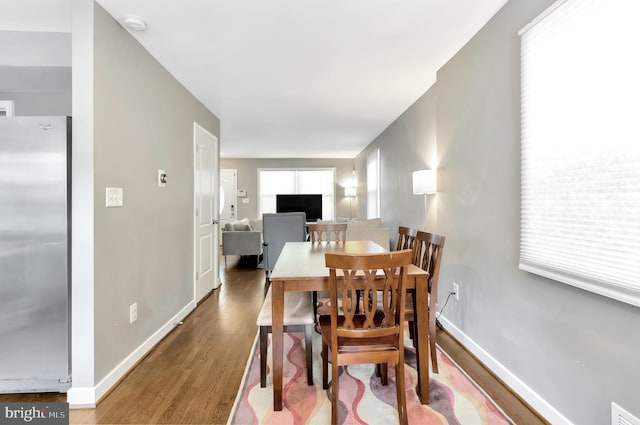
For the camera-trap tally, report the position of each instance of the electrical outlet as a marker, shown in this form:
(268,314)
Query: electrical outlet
(620,416)
(456,291)
(133,312)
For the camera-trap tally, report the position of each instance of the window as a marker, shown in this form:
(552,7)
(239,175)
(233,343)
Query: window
(580,158)
(6,108)
(373,184)
(296,181)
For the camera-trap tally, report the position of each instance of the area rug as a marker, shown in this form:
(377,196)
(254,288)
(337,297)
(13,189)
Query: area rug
(454,397)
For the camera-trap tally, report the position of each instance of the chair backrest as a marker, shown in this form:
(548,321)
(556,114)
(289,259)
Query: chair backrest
(427,252)
(322,232)
(277,229)
(406,236)
(382,280)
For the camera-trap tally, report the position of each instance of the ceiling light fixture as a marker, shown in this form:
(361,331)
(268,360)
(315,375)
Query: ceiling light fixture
(134,23)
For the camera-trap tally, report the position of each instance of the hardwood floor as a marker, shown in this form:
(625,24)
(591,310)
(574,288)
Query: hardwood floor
(192,376)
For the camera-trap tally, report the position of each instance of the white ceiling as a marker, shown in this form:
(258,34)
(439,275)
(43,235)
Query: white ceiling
(288,78)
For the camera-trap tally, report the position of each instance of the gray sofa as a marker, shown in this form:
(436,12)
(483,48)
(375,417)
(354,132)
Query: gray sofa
(242,237)
(368,230)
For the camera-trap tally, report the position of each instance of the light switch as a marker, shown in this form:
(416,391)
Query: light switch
(114,197)
(245,200)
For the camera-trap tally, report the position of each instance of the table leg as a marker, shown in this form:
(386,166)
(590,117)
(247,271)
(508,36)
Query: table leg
(422,305)
(277,331)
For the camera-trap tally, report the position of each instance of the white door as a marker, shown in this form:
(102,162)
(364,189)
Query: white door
(206,181)
(229,184)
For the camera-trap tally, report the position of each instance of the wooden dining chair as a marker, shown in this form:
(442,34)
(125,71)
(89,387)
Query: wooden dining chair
(324,232)
(427,254)
(298,317)
(406,236)
(321,232)
(374,335)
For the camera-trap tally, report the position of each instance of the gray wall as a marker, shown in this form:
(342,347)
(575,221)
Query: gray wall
(567,351)
(143,121)
(35,72)
(407,145)
(248,180)
(40,104)
(37,90)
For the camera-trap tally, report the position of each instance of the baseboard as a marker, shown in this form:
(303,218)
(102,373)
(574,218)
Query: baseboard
(544,408)
(81,397)
(87,397)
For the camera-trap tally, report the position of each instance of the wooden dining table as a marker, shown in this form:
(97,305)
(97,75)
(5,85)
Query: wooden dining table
(301,267)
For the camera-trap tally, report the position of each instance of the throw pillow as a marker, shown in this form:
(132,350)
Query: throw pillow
(243,225)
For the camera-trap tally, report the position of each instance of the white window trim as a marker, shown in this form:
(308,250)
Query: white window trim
(374,156)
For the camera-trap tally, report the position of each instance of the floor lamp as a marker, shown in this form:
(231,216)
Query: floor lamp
(350,192)
(424,183)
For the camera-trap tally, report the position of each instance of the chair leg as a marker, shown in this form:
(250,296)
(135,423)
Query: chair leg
(263,356)
(381,372)
(314,296)
(415,344)
(308,348)
(325,366)
(432,340)
(400,393)
(334,391)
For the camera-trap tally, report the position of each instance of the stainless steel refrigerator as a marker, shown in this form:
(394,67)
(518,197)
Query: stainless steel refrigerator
(35,157)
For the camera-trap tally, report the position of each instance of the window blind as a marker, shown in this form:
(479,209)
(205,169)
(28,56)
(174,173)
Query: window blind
(296,181)
(580,152)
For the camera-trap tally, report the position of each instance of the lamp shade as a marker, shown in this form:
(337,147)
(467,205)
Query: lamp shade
(350,191)
(424,182)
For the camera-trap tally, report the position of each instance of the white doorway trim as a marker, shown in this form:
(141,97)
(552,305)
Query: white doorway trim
(229,182)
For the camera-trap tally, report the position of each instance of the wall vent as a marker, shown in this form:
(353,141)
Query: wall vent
(619,416)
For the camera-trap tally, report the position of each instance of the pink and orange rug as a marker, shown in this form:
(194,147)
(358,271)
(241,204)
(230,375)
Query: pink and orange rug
(454,397)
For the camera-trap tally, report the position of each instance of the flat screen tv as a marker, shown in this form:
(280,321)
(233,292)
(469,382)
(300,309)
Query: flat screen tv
(311,205)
